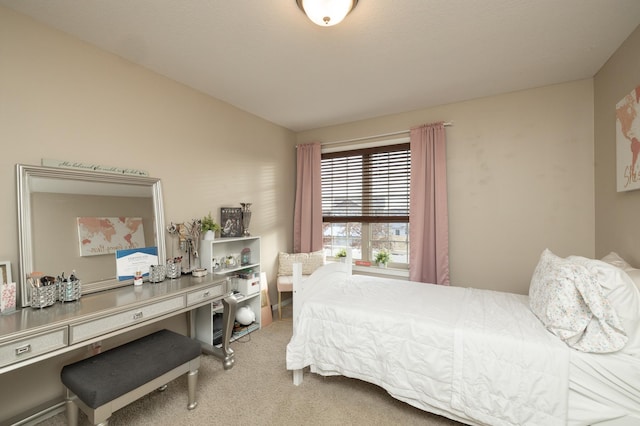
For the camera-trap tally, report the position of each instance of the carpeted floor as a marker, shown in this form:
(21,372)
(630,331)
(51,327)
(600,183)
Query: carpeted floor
(258,390)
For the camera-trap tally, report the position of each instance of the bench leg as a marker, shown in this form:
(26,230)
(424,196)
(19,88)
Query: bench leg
(192,381)
(72,411)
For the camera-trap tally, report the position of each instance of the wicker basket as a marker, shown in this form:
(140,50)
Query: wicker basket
(44,296)
(69,291)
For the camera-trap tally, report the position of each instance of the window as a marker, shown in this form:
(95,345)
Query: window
(365,202)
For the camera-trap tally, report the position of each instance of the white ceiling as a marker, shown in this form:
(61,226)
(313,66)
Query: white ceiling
(387,56)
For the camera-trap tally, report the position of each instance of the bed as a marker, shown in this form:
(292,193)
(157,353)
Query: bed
(479,357)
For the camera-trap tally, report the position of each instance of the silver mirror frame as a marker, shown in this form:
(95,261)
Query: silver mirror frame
(23,175)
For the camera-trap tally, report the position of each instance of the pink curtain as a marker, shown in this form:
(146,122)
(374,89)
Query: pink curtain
(428,218)
(307,216)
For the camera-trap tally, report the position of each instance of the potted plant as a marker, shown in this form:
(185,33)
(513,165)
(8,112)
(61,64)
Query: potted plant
(209,227)
(382,258)
(341,254)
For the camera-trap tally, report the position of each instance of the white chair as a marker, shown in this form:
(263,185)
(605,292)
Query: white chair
(284,283)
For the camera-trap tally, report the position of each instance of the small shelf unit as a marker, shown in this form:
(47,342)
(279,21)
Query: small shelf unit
(208,317)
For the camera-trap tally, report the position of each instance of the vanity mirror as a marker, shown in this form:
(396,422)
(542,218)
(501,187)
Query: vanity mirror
(50,203)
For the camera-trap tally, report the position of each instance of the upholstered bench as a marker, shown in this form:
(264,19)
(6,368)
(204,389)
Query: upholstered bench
(106,382)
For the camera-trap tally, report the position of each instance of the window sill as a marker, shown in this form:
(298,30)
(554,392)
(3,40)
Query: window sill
(381,272)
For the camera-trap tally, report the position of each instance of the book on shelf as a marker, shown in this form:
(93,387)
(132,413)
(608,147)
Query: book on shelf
(239,296)
(230,222)
(245,329)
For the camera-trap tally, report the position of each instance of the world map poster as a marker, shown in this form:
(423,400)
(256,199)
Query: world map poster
(628,141)
(106,235)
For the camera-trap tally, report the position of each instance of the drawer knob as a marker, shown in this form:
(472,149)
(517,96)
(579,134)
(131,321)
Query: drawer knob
(137,315)
(23,349)
(206,294)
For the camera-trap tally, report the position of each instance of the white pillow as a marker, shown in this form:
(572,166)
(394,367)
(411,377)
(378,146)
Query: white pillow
(622,295)
(634,274)
(568,300)
(310,262)
(614,259)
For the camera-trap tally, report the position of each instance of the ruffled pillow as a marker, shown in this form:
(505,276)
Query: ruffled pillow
(570,302)
(622,294)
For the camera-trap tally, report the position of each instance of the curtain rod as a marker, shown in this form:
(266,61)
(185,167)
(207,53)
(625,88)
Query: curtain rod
(400,132)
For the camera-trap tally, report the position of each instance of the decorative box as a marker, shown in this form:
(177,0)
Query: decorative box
(173,270)
(44,296)
(247,286)
(68,290)
(157,273)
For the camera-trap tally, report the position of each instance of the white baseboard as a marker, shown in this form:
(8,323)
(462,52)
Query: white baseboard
(40,416)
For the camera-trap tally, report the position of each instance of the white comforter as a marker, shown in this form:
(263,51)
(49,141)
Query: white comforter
(472,355)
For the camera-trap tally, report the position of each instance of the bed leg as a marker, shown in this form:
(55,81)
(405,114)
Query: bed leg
(297,377)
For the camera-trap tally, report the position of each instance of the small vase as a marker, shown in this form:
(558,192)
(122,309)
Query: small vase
(209,235)
(382,265)
(246,219)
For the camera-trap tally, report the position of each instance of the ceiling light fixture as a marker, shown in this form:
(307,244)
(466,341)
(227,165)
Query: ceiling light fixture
(326,12)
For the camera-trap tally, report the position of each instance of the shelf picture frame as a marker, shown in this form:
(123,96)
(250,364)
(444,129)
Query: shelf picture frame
(230,222)
(131,261)
(5,272)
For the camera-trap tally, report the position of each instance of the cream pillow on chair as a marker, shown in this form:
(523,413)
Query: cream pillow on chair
(310,262)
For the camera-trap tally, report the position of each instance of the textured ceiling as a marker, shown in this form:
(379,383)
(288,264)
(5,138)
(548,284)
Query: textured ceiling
(388,56)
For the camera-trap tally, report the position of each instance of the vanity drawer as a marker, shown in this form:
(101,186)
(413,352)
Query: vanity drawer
(22,349)
(204,294)
(86,330)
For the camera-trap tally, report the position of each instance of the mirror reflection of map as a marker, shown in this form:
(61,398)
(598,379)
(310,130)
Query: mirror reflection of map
(105,235)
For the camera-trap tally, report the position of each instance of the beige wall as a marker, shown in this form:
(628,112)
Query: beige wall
(616,212)
(64,99)
(520,175)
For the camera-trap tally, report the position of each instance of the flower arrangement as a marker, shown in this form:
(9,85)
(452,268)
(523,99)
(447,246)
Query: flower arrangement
(383,257)
(341,253)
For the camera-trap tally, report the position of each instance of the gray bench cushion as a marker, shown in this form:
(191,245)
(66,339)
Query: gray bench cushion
(106,376)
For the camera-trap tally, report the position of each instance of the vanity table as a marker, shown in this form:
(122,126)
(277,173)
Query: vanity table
(31,335)
(52,203)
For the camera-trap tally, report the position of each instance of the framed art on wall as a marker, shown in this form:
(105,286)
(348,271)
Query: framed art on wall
(231,222)
(628,141)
